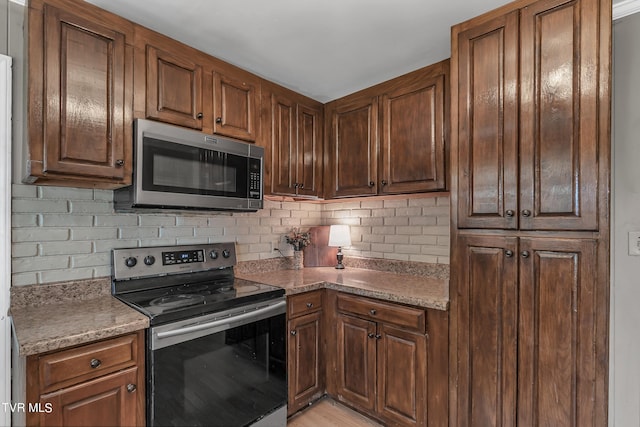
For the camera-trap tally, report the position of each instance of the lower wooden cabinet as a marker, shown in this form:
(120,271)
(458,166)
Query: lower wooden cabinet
(305,350)
(97,384)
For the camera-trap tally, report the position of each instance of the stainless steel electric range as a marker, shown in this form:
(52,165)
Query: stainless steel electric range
(216,349)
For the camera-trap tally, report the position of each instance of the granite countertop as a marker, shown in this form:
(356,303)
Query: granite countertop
(422,291)
(52,317)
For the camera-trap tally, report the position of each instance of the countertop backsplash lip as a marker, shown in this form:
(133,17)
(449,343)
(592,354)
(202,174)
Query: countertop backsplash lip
(59,292)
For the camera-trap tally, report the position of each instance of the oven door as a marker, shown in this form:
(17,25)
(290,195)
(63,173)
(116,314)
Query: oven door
(226,369)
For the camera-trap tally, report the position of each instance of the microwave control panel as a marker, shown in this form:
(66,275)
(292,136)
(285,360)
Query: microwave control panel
(255,180)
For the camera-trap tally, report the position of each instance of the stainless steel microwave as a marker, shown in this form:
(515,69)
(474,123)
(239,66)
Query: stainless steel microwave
(177,168)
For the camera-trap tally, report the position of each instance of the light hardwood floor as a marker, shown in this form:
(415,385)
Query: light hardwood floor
(328,412)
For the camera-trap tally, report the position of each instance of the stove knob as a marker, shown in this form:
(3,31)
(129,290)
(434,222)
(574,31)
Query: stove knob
(149,260)
(226,253)
(130,262)
(213,254)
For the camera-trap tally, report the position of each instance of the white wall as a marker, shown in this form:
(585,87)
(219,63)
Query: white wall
(624,364)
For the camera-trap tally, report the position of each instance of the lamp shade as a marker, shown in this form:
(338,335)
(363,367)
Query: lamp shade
(339,235)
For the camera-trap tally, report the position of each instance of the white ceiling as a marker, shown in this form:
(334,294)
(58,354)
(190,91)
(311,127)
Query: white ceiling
(324,49)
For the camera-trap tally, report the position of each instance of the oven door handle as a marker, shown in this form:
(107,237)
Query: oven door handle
(244,317)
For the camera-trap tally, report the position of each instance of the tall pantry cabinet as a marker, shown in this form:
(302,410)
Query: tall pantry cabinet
(530,225)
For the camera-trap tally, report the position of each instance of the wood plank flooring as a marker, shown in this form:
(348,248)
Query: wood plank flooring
(328,413)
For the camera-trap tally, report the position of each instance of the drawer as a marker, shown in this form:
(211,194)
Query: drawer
(307,302)
(380,311)
(68,367)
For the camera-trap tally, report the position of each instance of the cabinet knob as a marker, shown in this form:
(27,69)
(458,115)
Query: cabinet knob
(508,253)
(131,388)
(218,120)
(371,335)
(301,186)
(525,254)
(119,163)
(509,213)
(295,185)
(309,304)
(293,332)
(373,311)
(371,183)
(384,182)
(378,336)
(199,115)
(95,363)
(526,213)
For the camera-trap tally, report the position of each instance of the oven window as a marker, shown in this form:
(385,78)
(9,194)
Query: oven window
(229,378)
(178,168)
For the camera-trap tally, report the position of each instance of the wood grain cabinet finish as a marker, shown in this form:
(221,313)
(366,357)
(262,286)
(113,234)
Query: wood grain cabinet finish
(306,356)
(96,384)
(235,105)
(527,118)
(80,95)
(390,138)
(296,145)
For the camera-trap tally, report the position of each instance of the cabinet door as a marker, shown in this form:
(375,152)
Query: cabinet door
(85,103)
(106,401)
(306,376)
(284,152)
(402,373)
(174,87)
(356,361)
(353,148)
(488,124)
(487,315)
(559,115)
(235,107)
(412,144)
(557,333)
(309,162)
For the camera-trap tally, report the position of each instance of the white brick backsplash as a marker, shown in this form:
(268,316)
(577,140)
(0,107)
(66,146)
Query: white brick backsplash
(66,233)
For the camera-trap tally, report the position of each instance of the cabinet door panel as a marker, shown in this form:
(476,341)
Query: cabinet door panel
(488,124)
(353,152)
(235,107)
(84,92)
(306,376)
(356,364)
(487,319)
(559,129)
(309,164)
(402,368)
(557,332)
(174,88)
(284,148)
(412,145)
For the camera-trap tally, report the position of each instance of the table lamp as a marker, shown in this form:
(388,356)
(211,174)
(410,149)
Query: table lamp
(339,235)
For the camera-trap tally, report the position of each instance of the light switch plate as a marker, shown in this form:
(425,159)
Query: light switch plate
(634,243)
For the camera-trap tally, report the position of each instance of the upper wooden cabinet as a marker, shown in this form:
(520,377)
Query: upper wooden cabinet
(294,155)
(530,154)
(235,107)
(80,95)
(389,138)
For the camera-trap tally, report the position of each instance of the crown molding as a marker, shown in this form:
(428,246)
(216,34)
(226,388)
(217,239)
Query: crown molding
(625,8)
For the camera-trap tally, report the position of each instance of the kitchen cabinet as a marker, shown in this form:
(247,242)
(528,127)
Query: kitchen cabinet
(390,138)
(80,95)
(306,372)
(295,152)
(530,234)
(100,383)
(236,99)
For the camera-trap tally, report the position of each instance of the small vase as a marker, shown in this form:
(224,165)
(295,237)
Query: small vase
(298,260)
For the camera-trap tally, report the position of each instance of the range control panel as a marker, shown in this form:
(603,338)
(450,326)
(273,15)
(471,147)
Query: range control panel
(159,260)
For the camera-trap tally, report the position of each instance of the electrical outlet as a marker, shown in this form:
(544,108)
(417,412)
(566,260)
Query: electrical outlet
(634,243)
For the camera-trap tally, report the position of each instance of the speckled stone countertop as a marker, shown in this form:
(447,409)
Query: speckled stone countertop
(54,316)
(422,291)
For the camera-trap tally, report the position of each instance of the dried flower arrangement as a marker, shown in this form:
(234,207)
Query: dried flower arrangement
(298,239)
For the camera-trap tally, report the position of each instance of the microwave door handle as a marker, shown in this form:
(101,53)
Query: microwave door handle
(232,321)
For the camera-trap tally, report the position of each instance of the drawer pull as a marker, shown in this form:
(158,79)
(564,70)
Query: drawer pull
(131,388)
(309,304)
(373,311)
(95,363)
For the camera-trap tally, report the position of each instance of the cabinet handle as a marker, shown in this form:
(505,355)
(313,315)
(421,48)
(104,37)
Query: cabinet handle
(378,336)
(119,163)
(384,182)
(293,332)
(525,254)
(373,311)
(295,185)
(95,363)
(218,120)
(508,253)
(309,304)
(526,213)
(371,183)
(131,388)
(301,186)
(371,335)
(510,213)
(199,115)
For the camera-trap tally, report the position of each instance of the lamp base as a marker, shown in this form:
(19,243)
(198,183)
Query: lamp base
(340,266)
(339,257)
